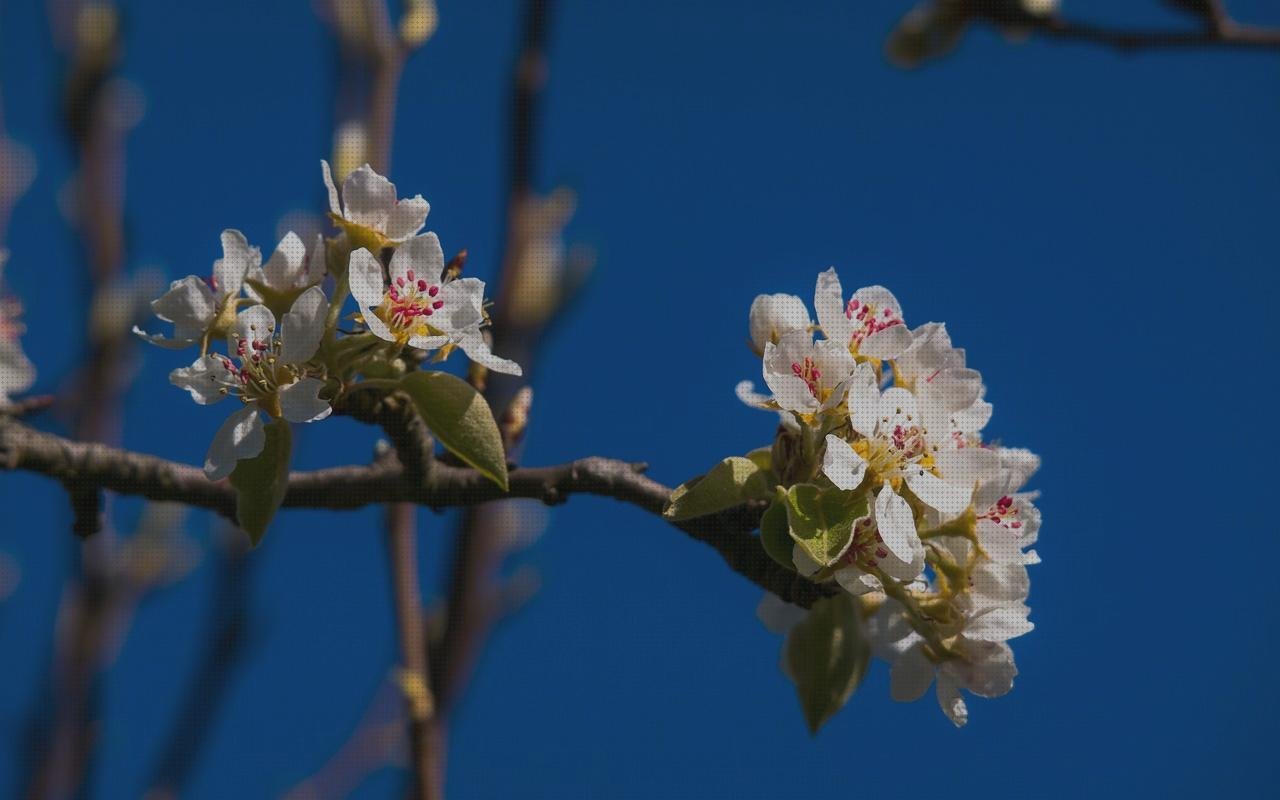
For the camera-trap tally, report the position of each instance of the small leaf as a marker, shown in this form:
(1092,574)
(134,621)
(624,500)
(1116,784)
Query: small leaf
(460,418)
(775,534)
(731,482)
(826,656)
(821,520)
(260,482)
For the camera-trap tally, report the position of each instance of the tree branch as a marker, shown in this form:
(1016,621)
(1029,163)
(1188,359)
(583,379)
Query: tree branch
(124,472)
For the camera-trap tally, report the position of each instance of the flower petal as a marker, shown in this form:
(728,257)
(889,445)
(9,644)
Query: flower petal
(896,525)
(283,269)
(423,255)
(887,343)
(334,205)
(844,467)
(949,699)
(300,401)
(477,349)
(241,436)
(911,675)
(189,301)
(364,276)
(772,315)
(303,326)
(206,380)
(254,324)
(368,198)
(828,301)
(238,257)
(407,218)
(778,615)
(946,498)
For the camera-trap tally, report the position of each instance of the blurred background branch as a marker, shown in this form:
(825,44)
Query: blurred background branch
(935,27)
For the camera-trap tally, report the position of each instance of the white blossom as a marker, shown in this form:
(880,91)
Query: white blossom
(420,306)
(869,323)
(202,310)
(267,374)
(369,211)
(773,315)
(292,268)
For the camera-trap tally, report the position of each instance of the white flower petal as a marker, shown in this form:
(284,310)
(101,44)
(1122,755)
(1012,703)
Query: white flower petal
(477,349)
(896,525)
(17,373)
(300,401)
(423,256)
(778,615)
(170,343)
(238,257)
(364,276)
(772,315)
(844,467)
(463,308)
(302,328)
(949,699)
(368,198)
(828,301)
(999,624)
(242,436)
(284,268)
(746,392)
(886,344)
(946,498)
(254,324)
(406,218)
(189,301)
(911,675)
(334,205)
(205,380)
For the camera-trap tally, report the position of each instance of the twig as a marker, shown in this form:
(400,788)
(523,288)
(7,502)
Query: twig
(414,675)
(129,473)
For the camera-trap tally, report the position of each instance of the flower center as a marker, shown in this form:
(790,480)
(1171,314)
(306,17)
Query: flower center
(890,455)
(1003,512)
(409,302)
(808,372)
(260,375)
(868,546)
(871,318)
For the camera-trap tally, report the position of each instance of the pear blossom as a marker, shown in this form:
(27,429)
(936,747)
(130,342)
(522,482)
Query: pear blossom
(805,376)
(267,373)
(17,373)
(292,269)
(204,309)
(420,306)
(369,211)
(773,315)
(869,323)
(1006,519)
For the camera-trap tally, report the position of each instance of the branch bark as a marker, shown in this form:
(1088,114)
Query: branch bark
(386,481)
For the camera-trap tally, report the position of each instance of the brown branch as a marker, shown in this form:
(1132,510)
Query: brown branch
(1218,30)
(414,677)
(124,472)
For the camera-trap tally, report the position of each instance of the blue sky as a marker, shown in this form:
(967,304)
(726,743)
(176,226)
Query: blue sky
(1097,230)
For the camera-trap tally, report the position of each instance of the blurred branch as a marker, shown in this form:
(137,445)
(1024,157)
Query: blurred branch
(227,633)
(933,28)
(424,754)
(124,472)
(517,333)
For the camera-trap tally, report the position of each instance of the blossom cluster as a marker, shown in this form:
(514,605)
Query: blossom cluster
(285,356)
(921,520)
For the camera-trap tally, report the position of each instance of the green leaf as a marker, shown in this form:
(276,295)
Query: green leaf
(260,482)
(731,482)
(821,520)
(775,534)
(460,418)
(826,656)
